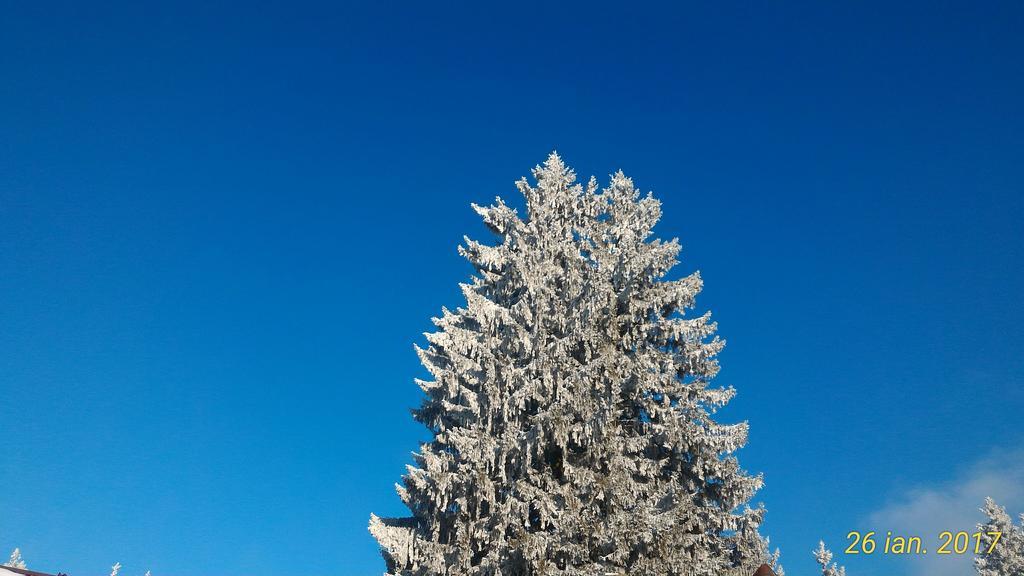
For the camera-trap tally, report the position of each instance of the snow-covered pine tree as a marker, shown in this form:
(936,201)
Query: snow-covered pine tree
(570,408)
(1007,557)
(824,558)
(15,561)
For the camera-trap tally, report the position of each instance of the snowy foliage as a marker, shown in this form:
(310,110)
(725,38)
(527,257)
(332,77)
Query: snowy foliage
(570,408)
(15,560)
(1007,557)
(773,561)
(824,557)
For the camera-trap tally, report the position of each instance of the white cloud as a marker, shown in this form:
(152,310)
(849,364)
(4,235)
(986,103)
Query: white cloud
(953,506)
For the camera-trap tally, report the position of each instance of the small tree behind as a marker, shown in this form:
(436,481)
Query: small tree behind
(824,558)
(1007,556)
(15,560)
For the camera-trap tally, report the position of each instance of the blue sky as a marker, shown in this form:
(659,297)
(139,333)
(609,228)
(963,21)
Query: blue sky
(223,226)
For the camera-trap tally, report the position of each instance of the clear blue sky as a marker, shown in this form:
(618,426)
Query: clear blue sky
(223,226)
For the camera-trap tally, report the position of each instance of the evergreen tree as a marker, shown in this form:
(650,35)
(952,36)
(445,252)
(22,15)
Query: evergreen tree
(15,560)
(570,408)
(824,557)
(1007,556)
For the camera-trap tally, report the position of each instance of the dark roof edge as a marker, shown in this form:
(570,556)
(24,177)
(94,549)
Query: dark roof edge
(25,572)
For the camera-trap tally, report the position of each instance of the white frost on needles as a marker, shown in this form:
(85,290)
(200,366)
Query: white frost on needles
(570,408)
(1007,556)
(15,560)
(824,557)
